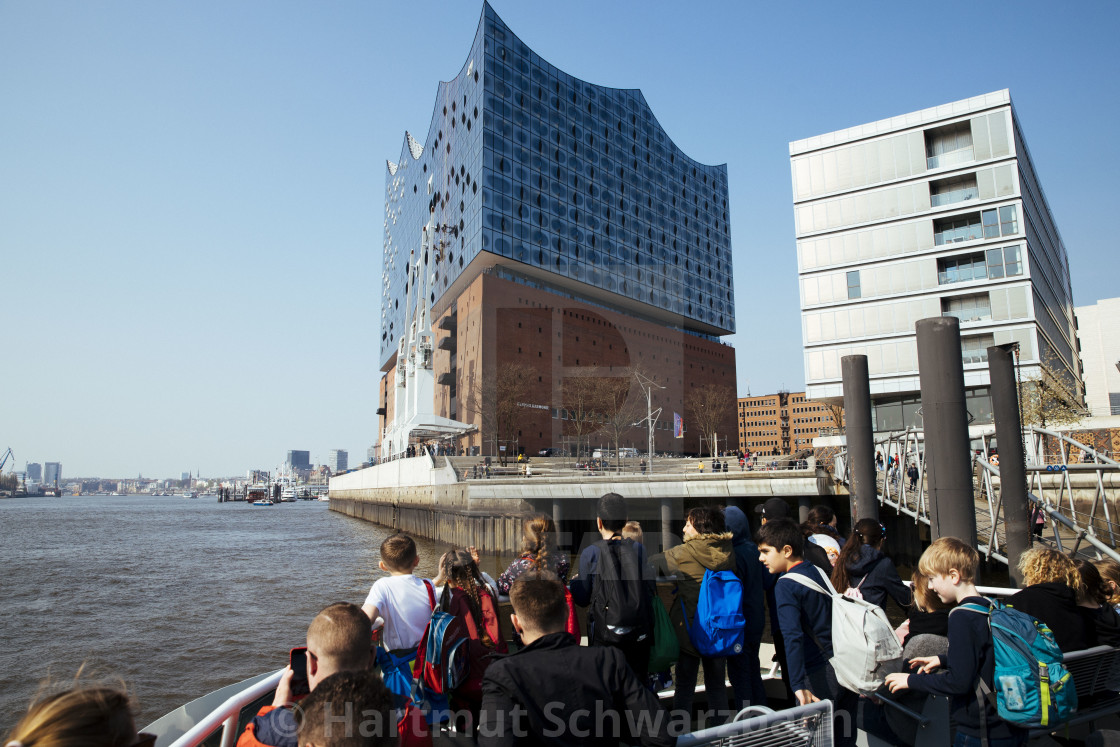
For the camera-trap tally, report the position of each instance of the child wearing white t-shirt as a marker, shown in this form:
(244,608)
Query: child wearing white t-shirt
(404,601)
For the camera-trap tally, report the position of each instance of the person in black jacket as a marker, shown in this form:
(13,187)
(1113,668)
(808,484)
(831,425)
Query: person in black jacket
(1052,584)
(744,670)
(1093,604)
(862,565)
(554,691)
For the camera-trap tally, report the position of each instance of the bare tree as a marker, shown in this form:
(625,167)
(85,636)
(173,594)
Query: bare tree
(497,403)
(1049,398)
(836,412)
(707,405)
(619,407)
(581,395)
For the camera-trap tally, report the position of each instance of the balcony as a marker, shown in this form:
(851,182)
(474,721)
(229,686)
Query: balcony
(954,196)
(952,158)
(957,230)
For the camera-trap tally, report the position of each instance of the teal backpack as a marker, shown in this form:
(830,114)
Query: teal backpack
(1033,687)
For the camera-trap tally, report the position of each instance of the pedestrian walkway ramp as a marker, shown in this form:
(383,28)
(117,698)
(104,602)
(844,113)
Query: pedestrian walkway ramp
(1076,488)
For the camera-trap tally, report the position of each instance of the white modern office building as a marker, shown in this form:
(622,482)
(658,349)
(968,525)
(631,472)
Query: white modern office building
(936,212)
(1097,327)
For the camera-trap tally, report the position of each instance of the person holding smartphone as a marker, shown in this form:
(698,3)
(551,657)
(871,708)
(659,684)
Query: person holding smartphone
(338,640)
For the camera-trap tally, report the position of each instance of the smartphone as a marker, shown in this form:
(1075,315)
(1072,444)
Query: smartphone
(298,661)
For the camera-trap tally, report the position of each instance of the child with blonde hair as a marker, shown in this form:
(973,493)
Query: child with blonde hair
(1051,588)
(950,567)
(632,531)
(93,716)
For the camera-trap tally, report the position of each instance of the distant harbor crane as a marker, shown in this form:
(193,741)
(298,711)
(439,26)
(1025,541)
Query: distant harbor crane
(4,460)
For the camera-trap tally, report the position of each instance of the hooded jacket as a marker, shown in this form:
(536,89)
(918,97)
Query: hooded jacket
(878,577)
(687,562)
(750,569)
(1055,604)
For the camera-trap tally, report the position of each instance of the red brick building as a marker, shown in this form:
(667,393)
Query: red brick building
(784,421)
(498,322)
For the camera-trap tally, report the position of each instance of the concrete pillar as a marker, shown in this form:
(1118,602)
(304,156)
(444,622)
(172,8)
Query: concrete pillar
(667,535)
(949,463)
(563,538)
(1012,462)
(857,432)
(804,505)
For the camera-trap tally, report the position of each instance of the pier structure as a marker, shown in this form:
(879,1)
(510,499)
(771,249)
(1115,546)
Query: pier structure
(430,497)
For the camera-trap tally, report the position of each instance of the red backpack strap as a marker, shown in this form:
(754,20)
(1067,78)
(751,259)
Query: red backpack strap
(431,593)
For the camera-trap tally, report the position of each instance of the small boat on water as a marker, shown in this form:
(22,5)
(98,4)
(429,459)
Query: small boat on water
(263,502)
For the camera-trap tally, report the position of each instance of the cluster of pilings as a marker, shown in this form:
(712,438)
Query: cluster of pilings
(948,461)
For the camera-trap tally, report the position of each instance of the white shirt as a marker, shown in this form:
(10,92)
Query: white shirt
(402,601)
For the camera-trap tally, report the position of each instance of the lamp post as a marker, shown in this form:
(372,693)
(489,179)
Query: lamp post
(648,384)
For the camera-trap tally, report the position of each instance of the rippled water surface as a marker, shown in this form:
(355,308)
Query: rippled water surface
(177,597)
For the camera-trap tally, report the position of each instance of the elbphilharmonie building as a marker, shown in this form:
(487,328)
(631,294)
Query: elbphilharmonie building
(574,239)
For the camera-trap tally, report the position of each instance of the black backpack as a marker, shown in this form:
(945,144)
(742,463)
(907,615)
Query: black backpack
(620,601)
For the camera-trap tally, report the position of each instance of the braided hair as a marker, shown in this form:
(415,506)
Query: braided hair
(459,571)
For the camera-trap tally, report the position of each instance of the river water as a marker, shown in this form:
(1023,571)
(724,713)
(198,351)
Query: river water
(175,597)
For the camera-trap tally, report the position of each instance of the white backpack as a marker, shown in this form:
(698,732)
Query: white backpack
(862,638)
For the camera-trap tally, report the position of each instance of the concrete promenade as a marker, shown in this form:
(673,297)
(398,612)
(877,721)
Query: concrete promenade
(429,497)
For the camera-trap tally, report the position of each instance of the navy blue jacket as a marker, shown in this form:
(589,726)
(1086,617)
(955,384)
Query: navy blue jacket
(970,657)
(879,577)
(277,728)
(750,569)
(805,619)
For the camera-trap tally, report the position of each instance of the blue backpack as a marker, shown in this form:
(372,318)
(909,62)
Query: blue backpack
(718,627)
(1033,687)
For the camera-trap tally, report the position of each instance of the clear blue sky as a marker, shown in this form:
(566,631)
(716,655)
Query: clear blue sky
(192,193)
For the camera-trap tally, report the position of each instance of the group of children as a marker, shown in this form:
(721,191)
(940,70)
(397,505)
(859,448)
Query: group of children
(552,690)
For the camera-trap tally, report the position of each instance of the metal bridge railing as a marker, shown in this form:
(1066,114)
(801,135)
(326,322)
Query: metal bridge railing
(1089,532)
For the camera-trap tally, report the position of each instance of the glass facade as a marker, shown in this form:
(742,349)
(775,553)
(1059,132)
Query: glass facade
(537,168)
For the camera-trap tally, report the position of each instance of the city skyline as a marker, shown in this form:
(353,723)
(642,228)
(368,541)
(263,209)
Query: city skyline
(194,204)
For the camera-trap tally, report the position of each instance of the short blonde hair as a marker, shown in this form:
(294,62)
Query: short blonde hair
(632,531)
(1042,565)
(89,716)
(947,554)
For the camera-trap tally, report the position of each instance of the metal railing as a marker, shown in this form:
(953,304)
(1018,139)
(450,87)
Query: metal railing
(227,715)
(1090,533)
(555,467)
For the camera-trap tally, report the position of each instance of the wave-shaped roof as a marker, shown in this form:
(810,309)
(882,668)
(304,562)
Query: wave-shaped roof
(415,150)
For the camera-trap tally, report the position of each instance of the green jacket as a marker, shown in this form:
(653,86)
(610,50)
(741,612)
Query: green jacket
(687,562)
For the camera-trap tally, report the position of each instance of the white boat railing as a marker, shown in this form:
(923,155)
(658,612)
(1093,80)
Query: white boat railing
(227,715)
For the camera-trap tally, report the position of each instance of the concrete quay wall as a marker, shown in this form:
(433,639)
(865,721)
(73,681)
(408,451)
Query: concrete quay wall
(427,499)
